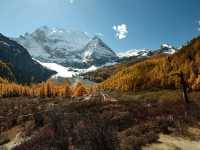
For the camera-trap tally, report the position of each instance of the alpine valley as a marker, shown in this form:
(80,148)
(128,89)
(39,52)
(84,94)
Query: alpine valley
(99,75)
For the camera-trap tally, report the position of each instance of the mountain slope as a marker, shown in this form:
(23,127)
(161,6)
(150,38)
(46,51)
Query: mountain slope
(6,72)
(158,71)
(98,53)
(65,72)
(134,52)
(126,59)
(166,49)
(54,45)
(103,73)
(77,50)
(25,69)
(67,48)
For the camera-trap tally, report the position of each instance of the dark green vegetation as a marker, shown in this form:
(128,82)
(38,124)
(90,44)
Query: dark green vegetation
(20,65)
(6,72)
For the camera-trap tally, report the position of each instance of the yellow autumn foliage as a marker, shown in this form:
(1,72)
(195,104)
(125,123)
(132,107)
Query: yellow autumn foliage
(159,71)
(44,89)
(79,90)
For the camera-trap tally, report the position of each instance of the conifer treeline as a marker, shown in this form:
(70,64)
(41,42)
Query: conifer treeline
(44,89)
(160,71)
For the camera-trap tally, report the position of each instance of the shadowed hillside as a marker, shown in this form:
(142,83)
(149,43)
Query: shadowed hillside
(6,71)
(25,69)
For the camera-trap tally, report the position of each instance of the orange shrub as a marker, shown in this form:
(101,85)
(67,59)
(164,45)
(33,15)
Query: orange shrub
(79,90)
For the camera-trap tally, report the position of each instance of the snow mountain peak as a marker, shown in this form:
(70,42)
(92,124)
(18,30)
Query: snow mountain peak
(134,53)
(66,47)
(167,49)
(141,53)
(97,52)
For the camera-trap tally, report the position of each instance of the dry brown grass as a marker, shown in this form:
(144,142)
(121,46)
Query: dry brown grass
(134,121)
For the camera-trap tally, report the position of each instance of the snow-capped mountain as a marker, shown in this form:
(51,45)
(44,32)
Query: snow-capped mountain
(167,49)
(67,48)
(54,45)
(97,52)
(73,52)
(141,53)
(134,52)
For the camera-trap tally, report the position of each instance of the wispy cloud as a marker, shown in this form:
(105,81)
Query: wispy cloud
(121,31)
(99,34)
(198,26)
(71,1)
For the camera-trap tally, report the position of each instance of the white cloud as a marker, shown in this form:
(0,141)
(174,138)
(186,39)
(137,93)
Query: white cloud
(121,31)
(198,28)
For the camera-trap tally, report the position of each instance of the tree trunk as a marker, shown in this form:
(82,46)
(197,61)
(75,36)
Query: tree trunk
(184,88)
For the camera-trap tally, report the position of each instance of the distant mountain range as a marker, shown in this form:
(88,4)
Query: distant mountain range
(68,48)
(164,49)
(76,49)
(134,52)
(37,56)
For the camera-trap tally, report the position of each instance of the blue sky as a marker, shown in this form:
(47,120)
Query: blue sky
(149,22)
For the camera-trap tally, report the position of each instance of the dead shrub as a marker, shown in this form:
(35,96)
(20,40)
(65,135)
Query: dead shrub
(95,133)
(136,137)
